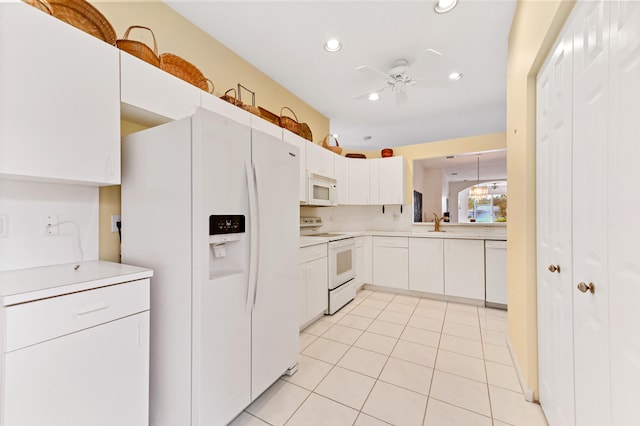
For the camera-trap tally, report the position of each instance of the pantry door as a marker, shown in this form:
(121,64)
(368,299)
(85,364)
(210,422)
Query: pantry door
(590,285)
(555,289)
(624,202)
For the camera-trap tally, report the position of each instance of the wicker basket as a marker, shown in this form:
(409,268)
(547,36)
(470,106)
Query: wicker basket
(325,144)
(269,116)
(253,109)
(138,48)
(288,122)
(305,132)
(84,16)
(232,99)
(174,64)
(43,5)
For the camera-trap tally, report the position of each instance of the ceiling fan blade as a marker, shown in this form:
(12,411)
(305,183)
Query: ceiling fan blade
(436,54)
(366,95)
(373,70)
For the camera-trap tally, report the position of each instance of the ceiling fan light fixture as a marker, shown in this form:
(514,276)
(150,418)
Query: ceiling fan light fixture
(332,45)
(373,96)
(455,76)
(444,6)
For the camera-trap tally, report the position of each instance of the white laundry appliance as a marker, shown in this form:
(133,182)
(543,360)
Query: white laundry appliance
(212,206)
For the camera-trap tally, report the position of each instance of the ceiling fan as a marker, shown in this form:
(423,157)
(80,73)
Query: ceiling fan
(397,79)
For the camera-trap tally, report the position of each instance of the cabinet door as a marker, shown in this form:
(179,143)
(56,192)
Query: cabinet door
(374,181)
(496,271)
(149,94)
(301,143)
(342,176)
(367,275)
(392,180)
(391,267)
(320,160)
(359,184)
(60,106)
(302,294)
(317,287)
(359,265)
(98,376)
(464,268)
(426,257)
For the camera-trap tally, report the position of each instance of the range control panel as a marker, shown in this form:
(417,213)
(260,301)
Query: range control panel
(226,224)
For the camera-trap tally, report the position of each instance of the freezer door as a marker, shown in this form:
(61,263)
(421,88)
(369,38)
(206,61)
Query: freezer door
(275,313)
(221,319)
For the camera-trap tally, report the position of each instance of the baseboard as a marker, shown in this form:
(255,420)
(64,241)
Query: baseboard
(528,393)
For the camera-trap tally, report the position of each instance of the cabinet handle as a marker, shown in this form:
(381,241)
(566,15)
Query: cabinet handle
(554,268)
(584,288)
(91,308)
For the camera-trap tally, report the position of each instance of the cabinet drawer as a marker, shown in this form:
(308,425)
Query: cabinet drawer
(307,254)
(391,241)
(35,322)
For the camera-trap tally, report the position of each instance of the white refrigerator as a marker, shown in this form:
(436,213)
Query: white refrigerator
(212,206)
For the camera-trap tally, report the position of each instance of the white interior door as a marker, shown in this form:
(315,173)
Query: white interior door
(555,288)
(590,213)
(623,225)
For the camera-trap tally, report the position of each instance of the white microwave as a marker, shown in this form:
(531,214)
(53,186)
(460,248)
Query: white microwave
(321,190)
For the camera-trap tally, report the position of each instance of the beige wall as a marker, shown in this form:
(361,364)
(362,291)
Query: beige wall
(535,27)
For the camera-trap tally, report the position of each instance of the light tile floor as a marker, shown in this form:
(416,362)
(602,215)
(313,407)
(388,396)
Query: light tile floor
(393,359)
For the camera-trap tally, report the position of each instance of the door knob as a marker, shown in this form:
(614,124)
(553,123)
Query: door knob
(554,268)
(584,288)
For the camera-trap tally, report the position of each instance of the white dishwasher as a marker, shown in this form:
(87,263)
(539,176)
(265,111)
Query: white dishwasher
(496,273)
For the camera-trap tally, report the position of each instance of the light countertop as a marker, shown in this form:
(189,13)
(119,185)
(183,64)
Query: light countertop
(306,241)
(25,285)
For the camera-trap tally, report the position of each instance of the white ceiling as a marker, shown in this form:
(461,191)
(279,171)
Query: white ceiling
(285,41)
(493,166)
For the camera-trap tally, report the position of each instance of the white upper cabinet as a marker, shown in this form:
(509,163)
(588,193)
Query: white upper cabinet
(152,96)
(358,181)
(374,180)
(59,100)
(320,160)
(301,143)
(342,176)
(392,180)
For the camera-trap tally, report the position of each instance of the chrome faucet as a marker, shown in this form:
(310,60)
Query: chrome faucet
(436,222)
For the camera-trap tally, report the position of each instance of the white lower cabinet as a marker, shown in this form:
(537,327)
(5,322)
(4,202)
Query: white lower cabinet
(363,261)
(464,268)
(426,263)
(314,276)
(79,358)
(391,262)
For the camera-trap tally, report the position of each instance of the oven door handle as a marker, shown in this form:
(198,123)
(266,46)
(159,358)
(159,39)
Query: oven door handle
(342,243)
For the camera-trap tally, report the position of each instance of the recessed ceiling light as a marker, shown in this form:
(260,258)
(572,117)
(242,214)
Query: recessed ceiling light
(444,6)
(455,76)
(374,96)
(367,138)
(332,45)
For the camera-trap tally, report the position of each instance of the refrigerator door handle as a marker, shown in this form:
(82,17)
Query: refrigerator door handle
(254,236)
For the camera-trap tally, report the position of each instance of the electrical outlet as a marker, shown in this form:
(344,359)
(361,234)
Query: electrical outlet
(114,219)
(50,225)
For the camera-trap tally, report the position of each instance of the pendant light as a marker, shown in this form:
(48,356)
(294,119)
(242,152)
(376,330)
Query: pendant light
(478,192)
